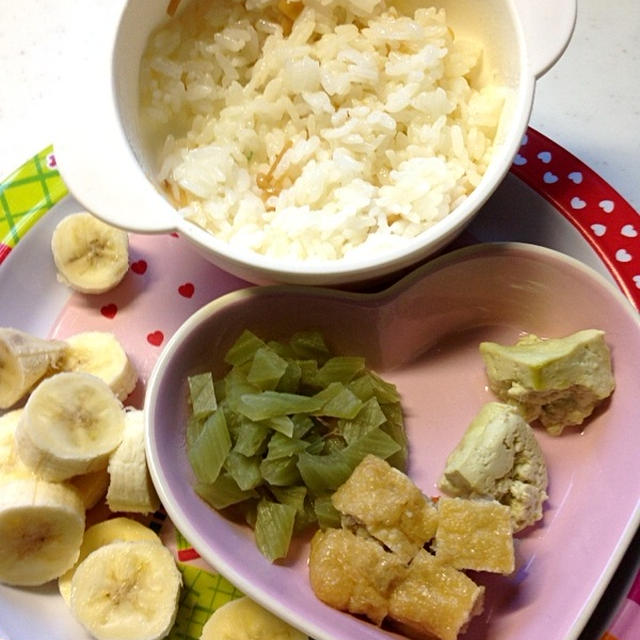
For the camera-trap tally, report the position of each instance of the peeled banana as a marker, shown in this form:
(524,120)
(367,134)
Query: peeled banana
(98,535)
(101,354)
(90,255)
(41,528)
(244,619)
(24,360)
(11,466)
(127,590)
(71,423)
(130,486)
(91,487)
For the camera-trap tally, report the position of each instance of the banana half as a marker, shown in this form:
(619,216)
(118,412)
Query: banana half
(127,590)
(244,619)
(90,255)
(41,529)
(71,423)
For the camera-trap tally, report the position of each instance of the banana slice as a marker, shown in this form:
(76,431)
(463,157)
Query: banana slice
(90,255)
(100,534)
(41,528)
(91,487)
(127,591)
(70,425)
(24,360)
(101,354)
(11,466)
(130,486)
(244,619)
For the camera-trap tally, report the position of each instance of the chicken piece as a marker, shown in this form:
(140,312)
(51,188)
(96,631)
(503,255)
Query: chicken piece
(388,505)
(475,534)
(559,381)
(353,573)
(434,599)
(500,458)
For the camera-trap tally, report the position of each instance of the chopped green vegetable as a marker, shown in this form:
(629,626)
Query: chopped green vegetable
(273,529)
(202,395)
(283,428)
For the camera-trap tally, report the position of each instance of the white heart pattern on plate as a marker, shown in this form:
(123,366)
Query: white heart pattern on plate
(519,160)
(550,178)
(577,203)
(629,231)
(622,255)
(575,177)
(598,229)
(606,205)
(545,156)
(636,280)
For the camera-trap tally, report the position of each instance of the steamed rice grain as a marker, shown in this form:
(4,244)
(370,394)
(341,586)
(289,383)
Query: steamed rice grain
(316,130)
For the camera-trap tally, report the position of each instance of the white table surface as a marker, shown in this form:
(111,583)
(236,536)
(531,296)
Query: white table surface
(589,102)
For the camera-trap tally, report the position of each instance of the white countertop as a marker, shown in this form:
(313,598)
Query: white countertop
(589,102)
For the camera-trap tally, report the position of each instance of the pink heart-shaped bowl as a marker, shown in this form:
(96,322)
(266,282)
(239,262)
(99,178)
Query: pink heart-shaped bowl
(423,335)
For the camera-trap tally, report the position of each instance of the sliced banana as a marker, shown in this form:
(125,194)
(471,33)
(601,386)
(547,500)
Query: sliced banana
(41,528)
(130,486)
(70,425)
(24,360)
(11,466)
(127,591)
(90,255)
(101,354)
(91,487)
(244,619)
(106,532)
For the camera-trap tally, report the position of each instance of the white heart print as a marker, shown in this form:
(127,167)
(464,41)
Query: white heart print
(519,160)
(550,178)
(636,280)
(628,231)
(577,203)
(622,255)
(598,230)
(606,205)
(545,156)
(575,177)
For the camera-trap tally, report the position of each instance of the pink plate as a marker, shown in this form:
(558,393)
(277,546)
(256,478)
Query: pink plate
(423,335)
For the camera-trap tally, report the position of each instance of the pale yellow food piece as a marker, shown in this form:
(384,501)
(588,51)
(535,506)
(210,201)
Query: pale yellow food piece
(499,457)
(435,599)
(388,505)
(475,534)
(353,573)
(558,381)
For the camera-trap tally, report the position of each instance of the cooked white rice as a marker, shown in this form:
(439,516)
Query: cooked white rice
(316,129)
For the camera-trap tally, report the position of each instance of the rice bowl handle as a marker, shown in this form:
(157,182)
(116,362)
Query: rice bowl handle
(548,26)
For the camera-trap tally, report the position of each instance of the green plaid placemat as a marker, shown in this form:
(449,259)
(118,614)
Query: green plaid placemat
(26,195)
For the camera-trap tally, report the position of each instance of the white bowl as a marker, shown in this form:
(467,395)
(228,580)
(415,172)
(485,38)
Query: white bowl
(107,167)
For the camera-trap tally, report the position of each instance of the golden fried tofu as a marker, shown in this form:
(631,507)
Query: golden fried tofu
(475,534)
(435,599)
(388,505)
(353,573)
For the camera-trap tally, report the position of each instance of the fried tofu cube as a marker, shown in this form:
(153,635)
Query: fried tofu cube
(475,534)
(353,573)
(388,505)
(435,599)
